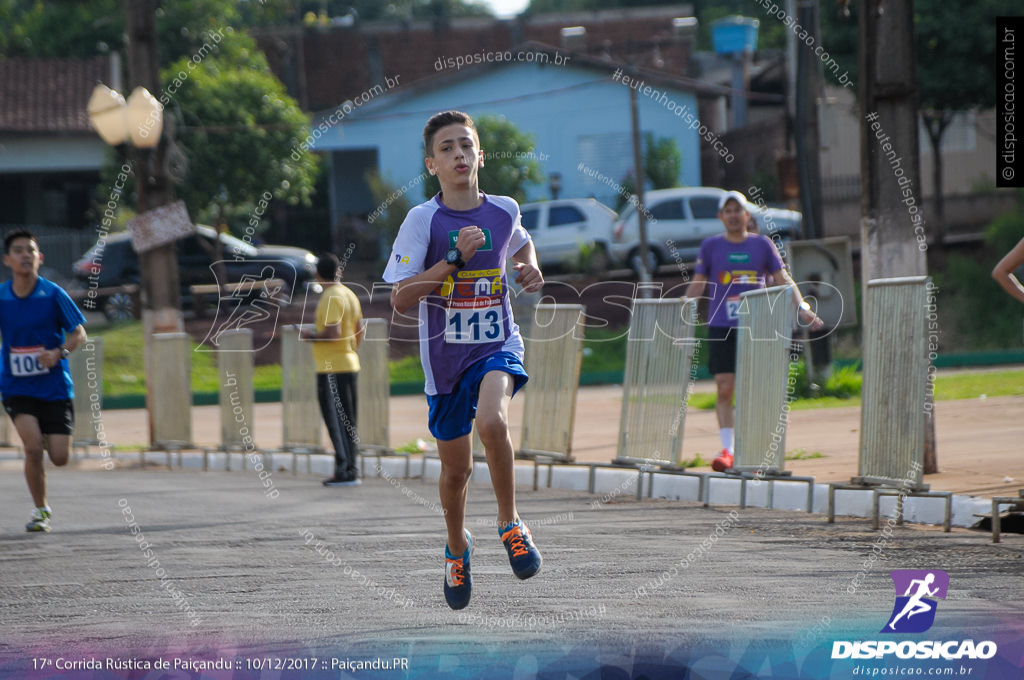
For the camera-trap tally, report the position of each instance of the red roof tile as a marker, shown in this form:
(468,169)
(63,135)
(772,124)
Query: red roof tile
(48,95)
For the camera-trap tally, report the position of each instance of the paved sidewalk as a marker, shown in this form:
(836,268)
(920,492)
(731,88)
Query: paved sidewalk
(277,577)
(978,440)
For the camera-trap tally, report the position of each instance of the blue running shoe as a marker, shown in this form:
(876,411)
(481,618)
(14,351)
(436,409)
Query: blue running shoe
(522,553)
(458,582)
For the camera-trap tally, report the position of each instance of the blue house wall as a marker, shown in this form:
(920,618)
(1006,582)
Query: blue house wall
(576,115)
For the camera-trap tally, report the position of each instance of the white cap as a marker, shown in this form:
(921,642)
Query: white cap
(733,196)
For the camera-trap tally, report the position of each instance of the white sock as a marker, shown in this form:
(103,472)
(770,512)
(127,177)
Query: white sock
(725,434)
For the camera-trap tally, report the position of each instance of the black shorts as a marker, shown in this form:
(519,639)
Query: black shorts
(721,349)
(55,417)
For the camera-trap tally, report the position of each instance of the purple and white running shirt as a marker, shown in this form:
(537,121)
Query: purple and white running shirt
(468,317)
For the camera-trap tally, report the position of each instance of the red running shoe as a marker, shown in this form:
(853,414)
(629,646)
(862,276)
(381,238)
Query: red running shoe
(723,462)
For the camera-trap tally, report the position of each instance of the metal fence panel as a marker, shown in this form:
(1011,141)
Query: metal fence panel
(895,380)
(237,394)
(657,378)
(762,369)
(86,365)
(374,388)
(300,409)
(554,353)
(171,394)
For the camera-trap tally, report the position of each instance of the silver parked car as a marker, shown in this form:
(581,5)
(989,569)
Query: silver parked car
(570,233)
(678,220)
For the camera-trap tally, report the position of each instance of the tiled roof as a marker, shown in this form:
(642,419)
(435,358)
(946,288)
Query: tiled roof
(48,95)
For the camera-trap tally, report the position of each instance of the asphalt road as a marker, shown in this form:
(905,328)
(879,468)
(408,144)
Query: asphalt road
(307,572)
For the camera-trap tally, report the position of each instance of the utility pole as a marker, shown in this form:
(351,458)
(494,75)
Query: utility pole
(158,268)
(808,92)
(641,212)
(888,88)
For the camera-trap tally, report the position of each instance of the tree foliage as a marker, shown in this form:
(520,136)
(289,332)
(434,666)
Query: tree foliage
(237,147)
(663,161)
(34,28)
(239,130)
(509,162)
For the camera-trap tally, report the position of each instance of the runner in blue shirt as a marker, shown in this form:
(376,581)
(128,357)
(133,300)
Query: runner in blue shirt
(449,259)
(40,326)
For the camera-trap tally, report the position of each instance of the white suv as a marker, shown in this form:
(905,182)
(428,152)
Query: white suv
(572,233)
(678,220)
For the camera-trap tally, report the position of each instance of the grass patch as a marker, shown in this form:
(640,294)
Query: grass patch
(407,370)
(973,384)
(604,350)
(414,446)
(124,374)
(803,454)
(696,461)
(124,367)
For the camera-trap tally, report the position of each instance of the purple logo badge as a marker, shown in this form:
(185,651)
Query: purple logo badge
(916,590)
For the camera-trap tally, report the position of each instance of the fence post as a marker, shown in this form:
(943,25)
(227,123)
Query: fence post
(237,394)
(86,367)
(374,388)
(172,391)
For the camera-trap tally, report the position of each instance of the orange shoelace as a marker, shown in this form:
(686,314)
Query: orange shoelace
(456,574)
(515,537)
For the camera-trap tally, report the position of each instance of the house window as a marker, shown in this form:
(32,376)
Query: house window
(605,160)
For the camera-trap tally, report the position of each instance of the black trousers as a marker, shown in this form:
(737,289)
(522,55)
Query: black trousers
(337,395)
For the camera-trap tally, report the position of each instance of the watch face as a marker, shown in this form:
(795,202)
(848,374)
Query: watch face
(452,256)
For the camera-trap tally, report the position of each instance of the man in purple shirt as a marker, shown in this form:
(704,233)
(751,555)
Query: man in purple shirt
(734,262)
(449,259)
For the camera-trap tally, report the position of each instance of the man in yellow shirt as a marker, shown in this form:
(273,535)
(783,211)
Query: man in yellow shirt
(339,331)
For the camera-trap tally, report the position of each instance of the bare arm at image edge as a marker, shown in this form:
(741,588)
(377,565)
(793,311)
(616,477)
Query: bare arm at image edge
(1003,272)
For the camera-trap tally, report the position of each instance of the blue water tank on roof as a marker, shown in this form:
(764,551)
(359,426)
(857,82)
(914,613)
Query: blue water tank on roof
(734,34)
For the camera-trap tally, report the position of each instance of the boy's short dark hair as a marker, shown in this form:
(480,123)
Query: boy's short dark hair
(327,267)
(440,120)
(11,236)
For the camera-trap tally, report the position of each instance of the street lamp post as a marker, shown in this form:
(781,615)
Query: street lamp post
(140,121)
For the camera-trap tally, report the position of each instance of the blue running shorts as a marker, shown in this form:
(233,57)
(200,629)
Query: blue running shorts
(451,415)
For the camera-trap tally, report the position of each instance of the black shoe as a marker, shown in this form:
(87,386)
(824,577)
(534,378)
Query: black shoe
(342,481)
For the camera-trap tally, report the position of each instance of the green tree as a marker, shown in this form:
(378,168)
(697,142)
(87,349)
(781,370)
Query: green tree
(509,165)
(33,28)
(662,164)
(955,52)
(663,161)
(235,148)
(242,145)
(395,206)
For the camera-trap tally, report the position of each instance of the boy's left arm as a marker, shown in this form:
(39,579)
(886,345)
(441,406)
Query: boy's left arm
(528,274)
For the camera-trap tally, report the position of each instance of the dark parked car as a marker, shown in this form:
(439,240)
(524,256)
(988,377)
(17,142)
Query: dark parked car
(117,264)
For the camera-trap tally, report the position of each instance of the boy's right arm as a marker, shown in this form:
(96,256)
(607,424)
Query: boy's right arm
(410,291)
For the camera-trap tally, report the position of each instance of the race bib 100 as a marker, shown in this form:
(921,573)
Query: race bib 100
(25,361)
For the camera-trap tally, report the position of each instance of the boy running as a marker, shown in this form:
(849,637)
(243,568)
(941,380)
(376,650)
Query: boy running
(449,259)
(40,326)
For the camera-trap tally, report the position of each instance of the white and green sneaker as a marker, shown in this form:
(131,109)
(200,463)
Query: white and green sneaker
(40,519)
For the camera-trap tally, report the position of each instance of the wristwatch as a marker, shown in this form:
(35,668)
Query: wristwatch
(454,256)
(64,352)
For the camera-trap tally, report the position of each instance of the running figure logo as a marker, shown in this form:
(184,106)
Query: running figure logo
(916,590)
(254,299)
